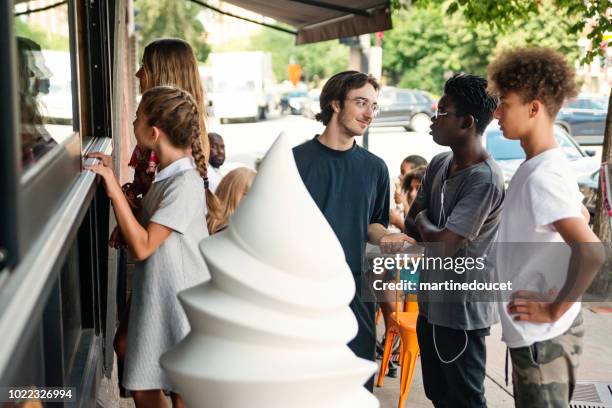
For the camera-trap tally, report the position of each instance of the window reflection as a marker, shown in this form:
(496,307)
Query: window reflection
(44,73)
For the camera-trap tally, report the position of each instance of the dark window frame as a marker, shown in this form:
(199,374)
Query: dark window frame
(46,214)
(9,151)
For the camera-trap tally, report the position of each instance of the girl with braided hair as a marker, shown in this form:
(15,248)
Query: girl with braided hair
(164,239)
(168,61)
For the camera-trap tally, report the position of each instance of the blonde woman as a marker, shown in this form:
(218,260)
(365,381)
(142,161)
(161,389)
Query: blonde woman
(231,190)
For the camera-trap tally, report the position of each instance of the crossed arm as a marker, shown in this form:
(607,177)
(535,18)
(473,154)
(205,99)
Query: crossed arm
(420,227)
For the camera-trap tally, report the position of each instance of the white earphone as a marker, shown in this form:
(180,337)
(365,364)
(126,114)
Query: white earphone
(441,220)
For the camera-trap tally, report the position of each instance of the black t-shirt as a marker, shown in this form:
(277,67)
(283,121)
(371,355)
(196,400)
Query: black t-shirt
(351,188)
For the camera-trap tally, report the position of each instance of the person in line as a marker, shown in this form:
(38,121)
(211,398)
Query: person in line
(459,206)
(232,189)
(541,322)
(410,184)
(167,61)
(350,186)
(402,205)
(164,239)
(410,163)
(216,160)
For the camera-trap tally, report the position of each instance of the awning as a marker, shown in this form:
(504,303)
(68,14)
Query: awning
(324,20)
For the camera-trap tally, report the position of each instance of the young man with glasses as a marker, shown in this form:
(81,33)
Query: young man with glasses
(459,206)
(351,186)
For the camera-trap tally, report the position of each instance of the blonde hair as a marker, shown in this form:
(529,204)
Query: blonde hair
(230,191)
(171,61)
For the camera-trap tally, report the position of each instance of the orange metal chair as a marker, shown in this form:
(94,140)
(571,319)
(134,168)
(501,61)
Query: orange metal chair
(403,324)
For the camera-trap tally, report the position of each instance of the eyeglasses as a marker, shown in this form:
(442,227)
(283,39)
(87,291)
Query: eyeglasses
(438,114)
(363,103)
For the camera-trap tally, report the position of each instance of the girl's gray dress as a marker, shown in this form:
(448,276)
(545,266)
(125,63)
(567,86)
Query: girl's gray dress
(157,321)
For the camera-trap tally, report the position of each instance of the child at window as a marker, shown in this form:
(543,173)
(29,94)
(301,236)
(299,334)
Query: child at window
(164,239)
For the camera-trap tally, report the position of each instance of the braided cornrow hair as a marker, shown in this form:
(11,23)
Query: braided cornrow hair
(174,111)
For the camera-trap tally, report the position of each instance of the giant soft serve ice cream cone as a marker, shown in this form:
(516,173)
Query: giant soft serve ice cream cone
(271,326)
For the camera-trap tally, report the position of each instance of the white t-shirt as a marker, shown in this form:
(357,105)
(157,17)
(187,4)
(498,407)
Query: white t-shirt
(542,191)
(214,178)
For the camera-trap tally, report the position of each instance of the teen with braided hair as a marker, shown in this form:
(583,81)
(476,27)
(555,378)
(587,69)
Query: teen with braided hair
(164,239)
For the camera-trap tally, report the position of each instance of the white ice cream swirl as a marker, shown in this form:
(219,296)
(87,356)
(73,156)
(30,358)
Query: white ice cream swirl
(271,326)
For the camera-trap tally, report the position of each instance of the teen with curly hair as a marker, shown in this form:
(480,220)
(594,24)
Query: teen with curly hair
(542,327)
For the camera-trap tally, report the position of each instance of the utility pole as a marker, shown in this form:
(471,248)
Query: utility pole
(364,57)
(359,54)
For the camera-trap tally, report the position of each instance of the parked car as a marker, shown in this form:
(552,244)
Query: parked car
(509,155)
(311,105)
(409,108)
(584,118)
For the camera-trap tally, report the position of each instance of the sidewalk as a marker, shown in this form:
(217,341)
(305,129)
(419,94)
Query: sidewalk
(595,365)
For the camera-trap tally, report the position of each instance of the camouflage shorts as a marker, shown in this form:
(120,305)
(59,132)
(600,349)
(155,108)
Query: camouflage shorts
(544,374)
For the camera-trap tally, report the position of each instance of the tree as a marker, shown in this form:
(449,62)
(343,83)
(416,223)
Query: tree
(427,44)
(592,17)
(170,18)
(592,14)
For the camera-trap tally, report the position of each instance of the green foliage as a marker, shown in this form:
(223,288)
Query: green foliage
(47,41)
(428,44)
(546,28)
(592,15)
(170,18)
(323,59)
(319,60)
